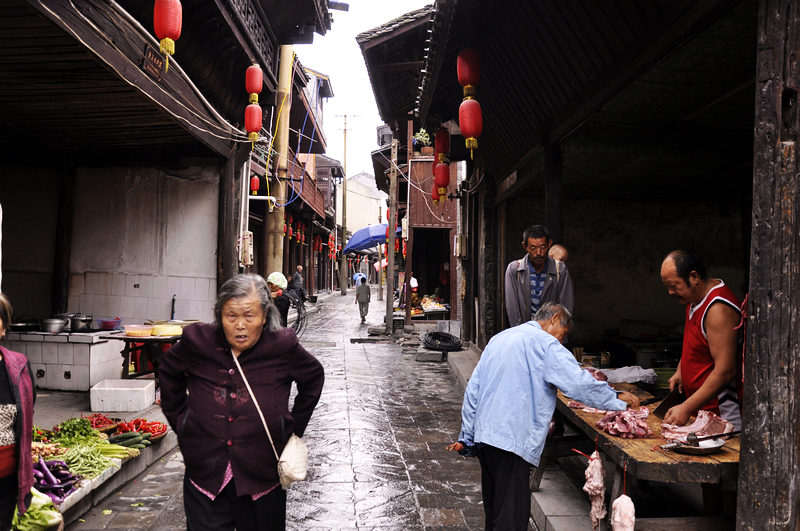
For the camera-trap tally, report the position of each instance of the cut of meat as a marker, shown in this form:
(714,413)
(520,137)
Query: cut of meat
(630,424)
(598,375)
(595,488)
(706,423)
(574,404)
(623,514)
(588,409)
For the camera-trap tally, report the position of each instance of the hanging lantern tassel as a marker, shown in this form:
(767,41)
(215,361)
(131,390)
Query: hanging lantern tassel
(167,22)
(435,195)
(470,121)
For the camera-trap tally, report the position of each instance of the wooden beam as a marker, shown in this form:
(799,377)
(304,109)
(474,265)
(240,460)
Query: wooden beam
(553,193)
(400,67)
(120,48)
(66,207)
(769,471)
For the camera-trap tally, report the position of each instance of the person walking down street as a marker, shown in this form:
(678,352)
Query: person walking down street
(297,283)
(17,396)
(362,298)
(363,268)
(231,477)
(508,404)
(536,278)
(277,286)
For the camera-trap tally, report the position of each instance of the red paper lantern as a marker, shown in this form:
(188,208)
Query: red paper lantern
(254,184)
(470,121)
(254,82)
(291,232)
(396,245)
(252,121)
(284,228)
(442,179)
(435,195)
(468,66)
(167,23)
(290,218)
(442,143)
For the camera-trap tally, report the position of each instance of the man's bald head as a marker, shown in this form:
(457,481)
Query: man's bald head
(558,252)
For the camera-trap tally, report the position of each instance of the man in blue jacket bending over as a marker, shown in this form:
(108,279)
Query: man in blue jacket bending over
(508,405)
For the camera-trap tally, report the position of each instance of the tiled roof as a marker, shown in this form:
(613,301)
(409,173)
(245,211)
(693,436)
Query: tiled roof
(394,24)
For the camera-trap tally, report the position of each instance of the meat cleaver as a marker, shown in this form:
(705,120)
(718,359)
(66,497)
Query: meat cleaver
(672,399)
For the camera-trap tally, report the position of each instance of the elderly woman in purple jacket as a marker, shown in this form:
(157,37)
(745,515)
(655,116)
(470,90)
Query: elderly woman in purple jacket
(17,394)
(231,479)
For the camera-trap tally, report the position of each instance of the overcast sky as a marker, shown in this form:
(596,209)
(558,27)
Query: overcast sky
(338,55)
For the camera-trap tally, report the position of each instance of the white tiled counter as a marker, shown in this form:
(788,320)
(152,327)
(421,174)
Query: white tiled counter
(69,362)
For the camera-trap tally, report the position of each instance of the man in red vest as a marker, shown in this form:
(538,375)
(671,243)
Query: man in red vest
(711,340)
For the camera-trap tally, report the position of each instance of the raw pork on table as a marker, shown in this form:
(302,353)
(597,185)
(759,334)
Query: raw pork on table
(629,424)
(707,423)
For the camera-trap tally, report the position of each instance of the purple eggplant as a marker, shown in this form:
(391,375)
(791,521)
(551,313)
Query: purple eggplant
(49,477)
(56,499)
(54,463)
(37,474)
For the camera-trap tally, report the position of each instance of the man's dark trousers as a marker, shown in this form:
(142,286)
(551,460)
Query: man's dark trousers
(505,485)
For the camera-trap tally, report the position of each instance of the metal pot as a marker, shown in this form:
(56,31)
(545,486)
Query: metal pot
(53,326)
(81,323)
(66,317)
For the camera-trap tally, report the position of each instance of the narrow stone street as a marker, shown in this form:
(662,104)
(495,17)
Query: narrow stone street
(376,442)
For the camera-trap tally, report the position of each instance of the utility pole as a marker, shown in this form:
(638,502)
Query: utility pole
(343,272)
(380,263)
(390,244)
(284,105)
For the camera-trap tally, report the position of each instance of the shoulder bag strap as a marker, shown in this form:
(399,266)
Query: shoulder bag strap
(260,414)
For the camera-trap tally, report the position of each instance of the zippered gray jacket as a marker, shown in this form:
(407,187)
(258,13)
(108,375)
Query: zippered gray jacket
(557,288)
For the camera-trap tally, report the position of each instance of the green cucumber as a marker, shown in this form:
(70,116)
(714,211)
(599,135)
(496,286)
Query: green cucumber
(146,435)
(130,442)
(122,436)
(138,446)
(145,442)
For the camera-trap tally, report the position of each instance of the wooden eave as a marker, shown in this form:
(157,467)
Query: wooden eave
(74,80)
(393,54)
(555,72)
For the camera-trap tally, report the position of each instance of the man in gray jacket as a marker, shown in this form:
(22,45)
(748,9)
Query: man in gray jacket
(536,278)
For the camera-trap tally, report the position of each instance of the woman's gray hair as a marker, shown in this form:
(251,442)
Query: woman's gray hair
(549,309)
(243,286)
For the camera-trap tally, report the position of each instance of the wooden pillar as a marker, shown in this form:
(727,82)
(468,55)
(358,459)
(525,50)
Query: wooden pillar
(553,195)
(230,193)
(66,207)
(769,469)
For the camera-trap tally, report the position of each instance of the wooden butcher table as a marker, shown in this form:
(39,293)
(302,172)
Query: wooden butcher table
(640,460)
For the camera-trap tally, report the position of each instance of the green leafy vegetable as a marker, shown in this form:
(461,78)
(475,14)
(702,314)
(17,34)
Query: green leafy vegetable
(40,516)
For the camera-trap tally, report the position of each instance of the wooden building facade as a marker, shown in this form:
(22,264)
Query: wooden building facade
(627,128)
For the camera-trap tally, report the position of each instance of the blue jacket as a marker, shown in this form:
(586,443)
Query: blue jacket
(511,395)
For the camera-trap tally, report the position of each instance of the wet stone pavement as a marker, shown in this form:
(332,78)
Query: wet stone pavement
(376,442)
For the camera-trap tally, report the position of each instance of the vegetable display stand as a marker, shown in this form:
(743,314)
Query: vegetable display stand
(148,349)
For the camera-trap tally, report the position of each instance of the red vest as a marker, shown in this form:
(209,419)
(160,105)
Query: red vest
(696,360)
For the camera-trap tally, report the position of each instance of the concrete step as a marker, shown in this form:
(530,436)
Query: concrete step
(559,505)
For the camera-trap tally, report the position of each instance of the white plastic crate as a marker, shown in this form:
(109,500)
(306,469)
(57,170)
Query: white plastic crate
(123,395)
